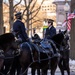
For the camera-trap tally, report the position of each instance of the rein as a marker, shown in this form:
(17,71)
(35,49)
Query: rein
(37,61)
(33,58)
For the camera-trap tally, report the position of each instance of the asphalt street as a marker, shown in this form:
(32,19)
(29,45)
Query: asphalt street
(57,72)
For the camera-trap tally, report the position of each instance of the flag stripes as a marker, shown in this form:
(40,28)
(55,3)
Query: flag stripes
(68,21)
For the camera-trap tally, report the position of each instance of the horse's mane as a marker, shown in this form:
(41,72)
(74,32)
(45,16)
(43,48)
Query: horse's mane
(6,38)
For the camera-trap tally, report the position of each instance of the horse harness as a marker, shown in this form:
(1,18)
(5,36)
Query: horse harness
(41,49)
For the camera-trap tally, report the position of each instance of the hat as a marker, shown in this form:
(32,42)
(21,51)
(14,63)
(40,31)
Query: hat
(50,21)
(18,14)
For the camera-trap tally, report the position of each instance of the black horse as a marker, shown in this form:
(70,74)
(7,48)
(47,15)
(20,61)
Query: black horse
(29,57)
(64,59)
(8,45)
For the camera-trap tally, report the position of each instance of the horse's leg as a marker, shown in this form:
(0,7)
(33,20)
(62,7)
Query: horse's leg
(1,63)
(44,71)
(1,66)
(7,68)
(24,69)
(18,70)
(68,69)
(38,71)
(54,63)
(12,70)
(33,71)
(17,66)
(66,65)
(67,62)
(60,64)
(53,70)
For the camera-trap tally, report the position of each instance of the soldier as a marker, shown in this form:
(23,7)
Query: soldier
(19,28)
(51,30)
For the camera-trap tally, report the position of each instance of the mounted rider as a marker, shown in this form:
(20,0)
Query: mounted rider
(19,29)
(50,32)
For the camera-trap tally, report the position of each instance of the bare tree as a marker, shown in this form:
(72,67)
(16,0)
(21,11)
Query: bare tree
(11,19)
(11,11)
(1,16)
(30,12)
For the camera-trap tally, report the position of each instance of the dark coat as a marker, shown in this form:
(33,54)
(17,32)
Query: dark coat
(19,29)
(50,32)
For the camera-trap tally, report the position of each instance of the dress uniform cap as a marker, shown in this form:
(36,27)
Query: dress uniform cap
(50,21)
(18,13)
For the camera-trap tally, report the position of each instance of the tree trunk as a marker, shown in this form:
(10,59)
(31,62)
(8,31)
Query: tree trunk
(72,41)
(1,17)
(28,21)
(11,18)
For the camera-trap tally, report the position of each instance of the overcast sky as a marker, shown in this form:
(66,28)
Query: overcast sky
(16,1)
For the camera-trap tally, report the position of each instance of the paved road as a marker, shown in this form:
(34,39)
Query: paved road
(57,72)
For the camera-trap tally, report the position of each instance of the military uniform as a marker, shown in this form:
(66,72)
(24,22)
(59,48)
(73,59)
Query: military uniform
(50,32)
(19,28)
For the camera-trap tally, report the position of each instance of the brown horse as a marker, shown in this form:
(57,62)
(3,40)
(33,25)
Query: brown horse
(7,42)
(32,57)
(64,59)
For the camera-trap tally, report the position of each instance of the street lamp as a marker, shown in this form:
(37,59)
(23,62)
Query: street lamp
(66,9)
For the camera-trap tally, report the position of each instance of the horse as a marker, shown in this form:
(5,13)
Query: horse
(36,39)
(64,59)
(31,57)
(7,44)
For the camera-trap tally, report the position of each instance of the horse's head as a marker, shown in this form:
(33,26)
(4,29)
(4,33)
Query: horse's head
(7,41)
(36,36)
(65,41)
(58,38)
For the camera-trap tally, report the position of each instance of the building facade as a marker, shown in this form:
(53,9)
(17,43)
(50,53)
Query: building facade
(60,13)
(49,10)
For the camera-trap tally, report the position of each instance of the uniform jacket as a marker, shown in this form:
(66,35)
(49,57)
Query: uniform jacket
(19,28)
(50,32)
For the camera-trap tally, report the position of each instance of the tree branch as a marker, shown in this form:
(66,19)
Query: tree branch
(17,3)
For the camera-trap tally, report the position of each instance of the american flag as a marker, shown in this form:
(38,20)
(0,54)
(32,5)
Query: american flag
(67,22)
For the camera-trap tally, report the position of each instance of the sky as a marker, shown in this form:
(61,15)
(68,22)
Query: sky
(16,1)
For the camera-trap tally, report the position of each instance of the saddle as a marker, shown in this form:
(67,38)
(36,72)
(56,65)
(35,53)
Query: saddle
(45,44)
(36,50)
